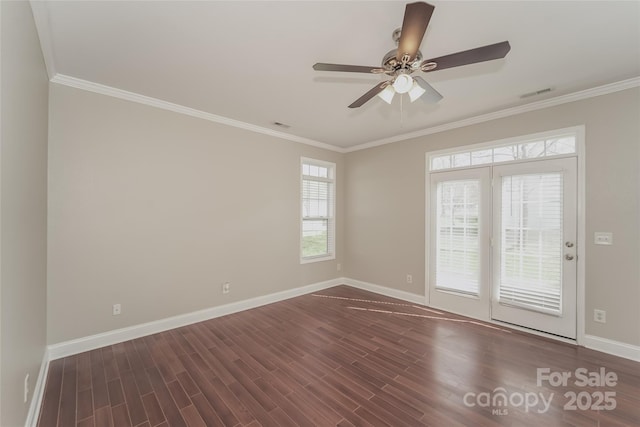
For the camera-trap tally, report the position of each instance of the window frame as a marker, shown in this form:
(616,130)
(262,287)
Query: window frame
(576,132)
(331,218)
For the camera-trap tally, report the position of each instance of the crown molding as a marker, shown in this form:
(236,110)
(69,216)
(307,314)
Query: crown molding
(43,27)
(165,105)
(176,108)
(538,105)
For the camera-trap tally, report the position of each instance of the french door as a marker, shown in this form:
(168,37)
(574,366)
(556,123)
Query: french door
(503,243)
(534,245)
(460,234)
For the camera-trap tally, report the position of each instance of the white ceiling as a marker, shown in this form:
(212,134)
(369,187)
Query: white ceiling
(251,61)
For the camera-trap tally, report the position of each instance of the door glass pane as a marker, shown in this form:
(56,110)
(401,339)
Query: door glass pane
(531,246)
(457,229)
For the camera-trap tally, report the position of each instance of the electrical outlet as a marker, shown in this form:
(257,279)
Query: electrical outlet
(602,238)
(226,287)
(339,267)
(409,278)
(599,316)
(26,388)
(117,309)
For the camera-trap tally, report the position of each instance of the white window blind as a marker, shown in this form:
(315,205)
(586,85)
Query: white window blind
(458,243)
(318,205)
(531,242)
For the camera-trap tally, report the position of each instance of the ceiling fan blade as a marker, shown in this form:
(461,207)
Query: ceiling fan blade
(347,68)
(367,96)
(471,56)
(416,20)
(430,95)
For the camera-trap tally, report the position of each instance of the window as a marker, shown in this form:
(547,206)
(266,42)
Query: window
(550,147)
(317,240)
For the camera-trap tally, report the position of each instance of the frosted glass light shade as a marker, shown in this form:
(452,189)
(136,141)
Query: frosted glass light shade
(403,83)
(416,91)
(387,94)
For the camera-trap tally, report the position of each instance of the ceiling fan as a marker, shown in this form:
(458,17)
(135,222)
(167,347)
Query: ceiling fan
(400,63)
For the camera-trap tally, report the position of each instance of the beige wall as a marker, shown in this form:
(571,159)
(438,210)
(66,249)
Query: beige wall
(155,210)
(23,213)
(150,209)
(385,207)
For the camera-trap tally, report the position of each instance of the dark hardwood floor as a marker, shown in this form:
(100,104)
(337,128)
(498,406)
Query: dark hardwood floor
(342,357)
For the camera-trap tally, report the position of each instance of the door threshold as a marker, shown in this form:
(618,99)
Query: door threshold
(535,332)
(512,326)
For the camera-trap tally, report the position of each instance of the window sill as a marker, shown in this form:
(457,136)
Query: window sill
(319,258)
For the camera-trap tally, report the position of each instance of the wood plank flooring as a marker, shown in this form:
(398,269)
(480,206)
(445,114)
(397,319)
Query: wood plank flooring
(340,357)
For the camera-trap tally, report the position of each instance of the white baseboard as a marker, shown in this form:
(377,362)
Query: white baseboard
(38,392)
(615,348)
(383,290)
(80,345)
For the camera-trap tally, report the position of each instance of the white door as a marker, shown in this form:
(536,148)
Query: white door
(534,245)
(460,203)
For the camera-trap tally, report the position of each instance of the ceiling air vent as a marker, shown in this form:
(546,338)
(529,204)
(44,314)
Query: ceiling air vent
(282,125)
(536,93)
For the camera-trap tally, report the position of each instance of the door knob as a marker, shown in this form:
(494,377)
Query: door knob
(569,244)
(568,257)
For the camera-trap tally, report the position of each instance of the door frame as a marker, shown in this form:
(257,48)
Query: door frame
(579,132)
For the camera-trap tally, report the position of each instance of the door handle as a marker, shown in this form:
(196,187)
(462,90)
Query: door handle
(568,244)
(568,257)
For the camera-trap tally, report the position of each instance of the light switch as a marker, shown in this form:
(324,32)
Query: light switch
(601,238)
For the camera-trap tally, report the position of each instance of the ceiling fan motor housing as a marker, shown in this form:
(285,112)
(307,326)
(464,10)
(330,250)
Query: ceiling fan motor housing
(393,67)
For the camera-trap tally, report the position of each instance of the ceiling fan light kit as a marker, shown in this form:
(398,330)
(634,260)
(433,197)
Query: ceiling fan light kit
(403,83)
(387,94)
(416,91)
(407,58)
